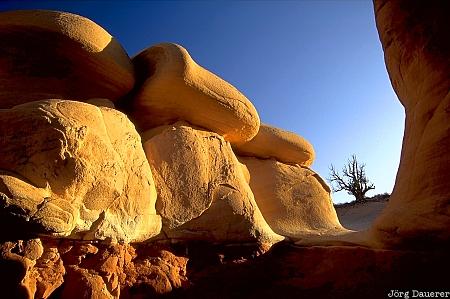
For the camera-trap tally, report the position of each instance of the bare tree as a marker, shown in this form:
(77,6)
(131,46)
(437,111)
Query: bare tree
(353,179)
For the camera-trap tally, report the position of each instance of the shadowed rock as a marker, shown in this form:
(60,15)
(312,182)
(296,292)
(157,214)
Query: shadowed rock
(415,39)
(51,54)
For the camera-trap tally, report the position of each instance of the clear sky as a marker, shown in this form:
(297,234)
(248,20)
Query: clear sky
(312,67)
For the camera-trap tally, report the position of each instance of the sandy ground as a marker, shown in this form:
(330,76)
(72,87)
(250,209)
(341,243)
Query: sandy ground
(359,216)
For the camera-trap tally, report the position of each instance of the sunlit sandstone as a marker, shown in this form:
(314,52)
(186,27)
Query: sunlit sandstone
(416,44)
(174,87)
(202,191)
(282,145)
(75,170)
(294,200)
(51,54)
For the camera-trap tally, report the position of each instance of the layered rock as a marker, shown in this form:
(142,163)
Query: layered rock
(72,169)
(51,54)
(284,146)
(202,191)
(414,35)
(174,87)
(294,200)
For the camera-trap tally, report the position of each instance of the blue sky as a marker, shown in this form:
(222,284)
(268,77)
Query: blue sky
(312,67)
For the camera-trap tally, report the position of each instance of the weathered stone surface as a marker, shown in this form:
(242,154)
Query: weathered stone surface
(73,169)
(48,272)
(79,269)
(80,283)
(204,271)
(154,271)
(93,270)
(284,146)
(176,88)
(50,54)
(30,269)
(293,199)
(202,191)
(415,39)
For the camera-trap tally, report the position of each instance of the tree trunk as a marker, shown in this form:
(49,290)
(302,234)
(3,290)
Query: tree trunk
(360,197)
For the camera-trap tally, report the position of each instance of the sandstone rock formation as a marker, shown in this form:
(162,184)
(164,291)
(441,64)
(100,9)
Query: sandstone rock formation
(284,146)
(415,39)
(202,192)
(32,271)
(77,197)
(72,169)
(50,54)
(174,87)
(73,269)
(293,199)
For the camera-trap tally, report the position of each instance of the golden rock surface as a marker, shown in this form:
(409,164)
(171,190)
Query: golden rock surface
(202,190)
(75,170)
(176,88)
(284,146)
(51,54)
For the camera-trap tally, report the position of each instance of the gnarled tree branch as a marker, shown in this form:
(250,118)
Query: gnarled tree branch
(353,179)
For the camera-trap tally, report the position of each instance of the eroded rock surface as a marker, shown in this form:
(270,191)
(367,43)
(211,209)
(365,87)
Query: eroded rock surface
(176,88)
(415,39)
(284,146)
(51,54)
(203,271)
(202,190)
(74,269)
(30,269)
(72,169)
(294,200)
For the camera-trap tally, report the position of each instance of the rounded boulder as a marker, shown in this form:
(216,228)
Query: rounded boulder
(284,146)
(51,54)
(71,169)
(174,87)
